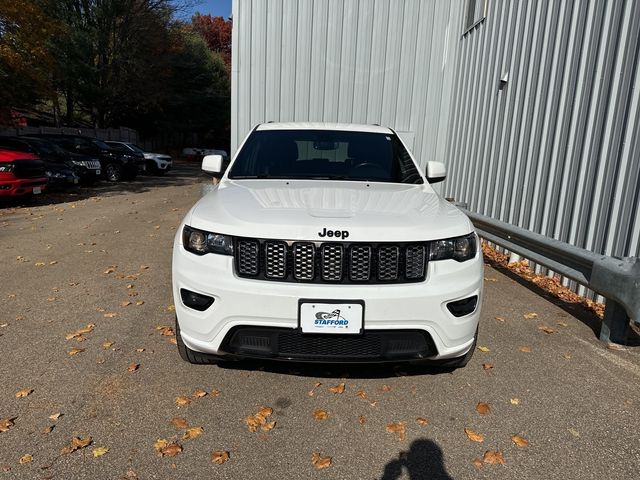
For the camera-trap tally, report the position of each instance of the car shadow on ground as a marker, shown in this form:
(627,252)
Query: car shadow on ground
(336,370)
(576,310)
(423,461)
(182,174)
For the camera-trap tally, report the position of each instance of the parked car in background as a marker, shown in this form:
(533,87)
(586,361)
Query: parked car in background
(21,174)
(62,171)
(115,166)
(157,163)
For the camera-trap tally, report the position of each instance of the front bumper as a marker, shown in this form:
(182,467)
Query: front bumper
(272,308)
(22,186)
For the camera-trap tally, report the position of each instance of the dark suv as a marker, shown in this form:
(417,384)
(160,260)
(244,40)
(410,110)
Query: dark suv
(115,166)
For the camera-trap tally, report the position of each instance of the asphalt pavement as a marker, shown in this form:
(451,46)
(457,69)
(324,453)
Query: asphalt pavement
(86,289)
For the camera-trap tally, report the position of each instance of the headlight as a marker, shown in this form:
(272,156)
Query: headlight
(6,168)
(459,248)
(79,163)
(201,242)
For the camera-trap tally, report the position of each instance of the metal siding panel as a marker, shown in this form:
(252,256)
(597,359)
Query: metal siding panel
(347,61)
(303,60)
(406,69)
(288,60)
(362,63)
(318,56)
(273,60)
(392,64)
(258,61)
(333,60)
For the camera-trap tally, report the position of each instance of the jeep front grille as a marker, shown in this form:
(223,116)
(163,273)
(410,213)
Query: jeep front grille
(317,262)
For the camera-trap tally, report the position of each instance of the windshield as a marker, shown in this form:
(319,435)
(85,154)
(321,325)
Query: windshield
(325,154)
(100,144)
(135,148)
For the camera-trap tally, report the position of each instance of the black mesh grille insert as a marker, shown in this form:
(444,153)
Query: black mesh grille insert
(317,262)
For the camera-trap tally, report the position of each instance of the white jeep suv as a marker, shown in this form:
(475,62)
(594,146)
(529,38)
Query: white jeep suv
(325,243)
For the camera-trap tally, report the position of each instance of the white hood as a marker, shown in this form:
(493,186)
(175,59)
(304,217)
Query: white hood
(301,209)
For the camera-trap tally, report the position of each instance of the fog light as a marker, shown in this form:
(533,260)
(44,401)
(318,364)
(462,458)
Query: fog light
(195,300)
(463,307)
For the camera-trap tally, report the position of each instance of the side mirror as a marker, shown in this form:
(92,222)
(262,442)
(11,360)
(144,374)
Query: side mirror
(436,172)
(212,164)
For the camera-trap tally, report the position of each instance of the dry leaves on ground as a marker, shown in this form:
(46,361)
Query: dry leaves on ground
(179,422)
(519,441)
(320,414)
(260,420)
(107,344)
(361,394)
(166,449)
(473,435)
(487,366)
(398,428)
(515,401)
(422,421)
(81,331)
(546,329)
(219,457)
(171,308)
(193,432)
(483,349)
(361,420)
(6,424)
(493,458)
(319,461)
(133,367)
(214,393)
(26,459)
(530,316)
(386,388)
(525,349)
(55,416)
(75,351)
(338,389)
(99,451)
(165,330)
(25,392)
(77,443)
(199,393)
(182,401)
(483,408)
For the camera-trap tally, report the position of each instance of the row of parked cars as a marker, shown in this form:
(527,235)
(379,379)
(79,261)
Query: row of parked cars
(31,164)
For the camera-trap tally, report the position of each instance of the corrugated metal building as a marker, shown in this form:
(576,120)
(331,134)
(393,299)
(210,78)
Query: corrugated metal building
(533,105)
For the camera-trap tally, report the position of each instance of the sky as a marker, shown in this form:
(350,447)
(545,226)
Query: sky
(217,8)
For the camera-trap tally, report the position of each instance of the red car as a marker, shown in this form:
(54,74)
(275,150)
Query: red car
(21,174)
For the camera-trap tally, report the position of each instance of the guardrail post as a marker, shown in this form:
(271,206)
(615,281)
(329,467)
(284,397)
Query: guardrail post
(614,324)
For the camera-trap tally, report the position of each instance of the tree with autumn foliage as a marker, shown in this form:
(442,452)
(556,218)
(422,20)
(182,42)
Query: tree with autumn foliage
(216,31)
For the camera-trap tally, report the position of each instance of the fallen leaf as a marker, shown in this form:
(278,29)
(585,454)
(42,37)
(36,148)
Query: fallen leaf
(319,461)
(338,389)
(483,408)
(473,435)
(182,401)
(179,422)
(173,340)
(259,419)
(110,315)
(81,331)
(493,458)
(477,463)
(487,366)
(77,443)
(268,426)
(361,394)
(199,394)
(320,414)
(484,349)
(133,367)
(126,303)
(214,393)
(6,424)
(140,350)
(171,308)
(567,356)
(107,344)
(398,428)
(515,401)
(546,329)
(312,391)
(193,432)
(39,264)
(422,421)
(47,430)
(160,444)
(75,351)
(109,270)
(53,262)
(25,392)
(386,388)
(140,302)
(144,267)
(519,441)
(563,324)
(500,319)
(219,457)
(525,349)
(26,459)
(361,420)
(531,315)
(55,416)
(166,331)
(99,451)
(171,450)
(130,286)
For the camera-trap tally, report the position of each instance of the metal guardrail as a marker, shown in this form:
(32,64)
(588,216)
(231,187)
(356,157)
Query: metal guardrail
(616,279)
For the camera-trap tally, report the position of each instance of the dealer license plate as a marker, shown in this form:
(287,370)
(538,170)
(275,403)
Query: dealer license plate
(37,190)
(331,317)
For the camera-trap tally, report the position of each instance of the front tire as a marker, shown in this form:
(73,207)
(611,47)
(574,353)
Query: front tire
(191,356)
(113,172)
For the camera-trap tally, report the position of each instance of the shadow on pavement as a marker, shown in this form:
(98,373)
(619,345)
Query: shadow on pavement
(423,461)
(574,309)
(337,370)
